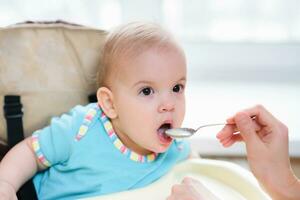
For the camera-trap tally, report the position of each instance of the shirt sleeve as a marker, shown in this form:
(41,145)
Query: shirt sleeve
(53,144)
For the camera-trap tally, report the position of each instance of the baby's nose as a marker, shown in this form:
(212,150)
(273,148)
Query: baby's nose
(166,106)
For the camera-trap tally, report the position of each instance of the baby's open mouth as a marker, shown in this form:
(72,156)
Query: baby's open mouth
(161,132)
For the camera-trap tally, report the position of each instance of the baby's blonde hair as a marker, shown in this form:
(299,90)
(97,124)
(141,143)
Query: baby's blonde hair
(128,41)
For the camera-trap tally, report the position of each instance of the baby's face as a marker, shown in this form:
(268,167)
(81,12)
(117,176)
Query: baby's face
(149,98)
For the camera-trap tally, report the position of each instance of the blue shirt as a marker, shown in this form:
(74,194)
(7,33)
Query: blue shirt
(84,160)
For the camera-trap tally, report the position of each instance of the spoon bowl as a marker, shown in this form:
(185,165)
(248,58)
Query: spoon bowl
(180,132)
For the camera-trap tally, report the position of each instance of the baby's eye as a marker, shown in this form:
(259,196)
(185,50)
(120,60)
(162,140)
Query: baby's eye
(178,88)
(146,91)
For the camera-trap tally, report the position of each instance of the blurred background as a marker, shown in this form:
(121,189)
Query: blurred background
(240,53)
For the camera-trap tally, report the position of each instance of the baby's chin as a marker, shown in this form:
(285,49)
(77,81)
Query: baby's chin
(162,148)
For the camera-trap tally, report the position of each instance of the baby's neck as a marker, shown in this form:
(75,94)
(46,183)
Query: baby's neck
(130,143)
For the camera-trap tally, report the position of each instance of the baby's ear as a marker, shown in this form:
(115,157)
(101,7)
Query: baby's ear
(105,100)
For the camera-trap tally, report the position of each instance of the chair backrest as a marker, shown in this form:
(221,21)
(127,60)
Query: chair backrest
(52,66)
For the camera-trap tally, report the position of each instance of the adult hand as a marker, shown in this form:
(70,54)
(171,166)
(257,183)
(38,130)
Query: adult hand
(266,140)
(191,189)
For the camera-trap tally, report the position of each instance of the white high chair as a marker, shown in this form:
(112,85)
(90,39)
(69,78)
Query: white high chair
(227,181)
(52,67)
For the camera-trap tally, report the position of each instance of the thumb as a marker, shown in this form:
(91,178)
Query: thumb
(246,127)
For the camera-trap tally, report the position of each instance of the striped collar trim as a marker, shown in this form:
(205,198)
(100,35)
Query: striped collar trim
(120,146)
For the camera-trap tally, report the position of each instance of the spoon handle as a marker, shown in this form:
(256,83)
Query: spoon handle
(220,124)
(217,124)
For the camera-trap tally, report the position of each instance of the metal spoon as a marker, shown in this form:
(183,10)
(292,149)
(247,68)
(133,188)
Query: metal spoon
(187,132)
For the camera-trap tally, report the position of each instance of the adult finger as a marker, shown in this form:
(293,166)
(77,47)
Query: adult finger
(235,138)
(246,127)
(263,116)
(227,131)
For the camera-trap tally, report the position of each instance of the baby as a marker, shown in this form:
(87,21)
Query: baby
(119,142)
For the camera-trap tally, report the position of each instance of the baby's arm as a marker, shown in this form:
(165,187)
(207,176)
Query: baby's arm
(18,166)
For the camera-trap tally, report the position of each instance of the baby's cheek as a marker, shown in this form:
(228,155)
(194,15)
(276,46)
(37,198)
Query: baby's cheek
(181,115)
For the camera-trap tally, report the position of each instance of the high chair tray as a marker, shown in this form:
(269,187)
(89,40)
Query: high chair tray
(225,180)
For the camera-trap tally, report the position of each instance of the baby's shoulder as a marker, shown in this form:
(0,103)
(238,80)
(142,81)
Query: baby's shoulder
(84,117)
(81,112)
(77,117)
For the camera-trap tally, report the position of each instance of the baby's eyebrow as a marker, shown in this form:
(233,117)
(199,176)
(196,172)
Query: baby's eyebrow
(182,79)
(143,82)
